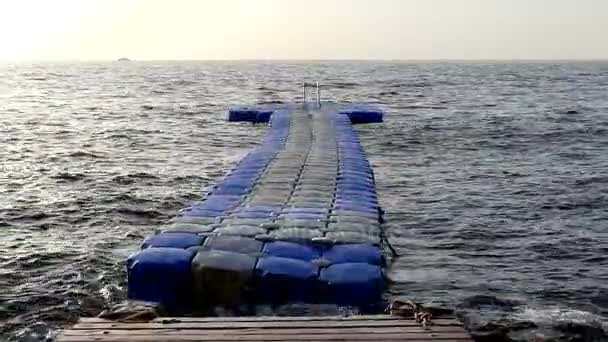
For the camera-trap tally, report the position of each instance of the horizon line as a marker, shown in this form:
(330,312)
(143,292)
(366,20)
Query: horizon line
(432,60)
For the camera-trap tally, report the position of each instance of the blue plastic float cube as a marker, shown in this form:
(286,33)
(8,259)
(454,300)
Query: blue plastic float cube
(292,250)
(192,212)
(263,116)
(321,212)
(213,206)
(362,206)
(222,277)
(353,284)
(286,280)
(231,190)
(363,115)
(354,253)
(242,114)
(303,216)
(173,240)
(233,243)
(161,275)
(253,215)
(356,195)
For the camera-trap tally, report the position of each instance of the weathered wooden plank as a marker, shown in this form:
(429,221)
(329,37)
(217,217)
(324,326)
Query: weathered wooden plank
(262,318)
(178,339)
(312,331)
(326,337)
(275,329)
(261,324)
(300,319)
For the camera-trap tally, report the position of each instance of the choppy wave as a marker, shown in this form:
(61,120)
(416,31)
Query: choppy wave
(492,177)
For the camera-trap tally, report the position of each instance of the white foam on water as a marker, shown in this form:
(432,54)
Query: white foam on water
(553,315)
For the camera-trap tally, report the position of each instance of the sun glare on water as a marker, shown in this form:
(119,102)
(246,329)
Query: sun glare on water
(41,29)
(109,29)
(313,29)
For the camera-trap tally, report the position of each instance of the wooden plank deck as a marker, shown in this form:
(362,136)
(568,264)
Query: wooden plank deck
(248,329)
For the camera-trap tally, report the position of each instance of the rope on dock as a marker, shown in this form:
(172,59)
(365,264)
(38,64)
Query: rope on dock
(407,308)
(132,312)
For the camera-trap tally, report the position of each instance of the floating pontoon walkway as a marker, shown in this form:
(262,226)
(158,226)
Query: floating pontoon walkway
(297,221)
(248,329)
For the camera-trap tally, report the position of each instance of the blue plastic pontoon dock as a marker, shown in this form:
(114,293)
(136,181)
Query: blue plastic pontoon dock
(296,221)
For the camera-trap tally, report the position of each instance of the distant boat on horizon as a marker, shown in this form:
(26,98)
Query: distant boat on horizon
(124,59)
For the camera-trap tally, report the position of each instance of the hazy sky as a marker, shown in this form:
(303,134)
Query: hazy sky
(303,29)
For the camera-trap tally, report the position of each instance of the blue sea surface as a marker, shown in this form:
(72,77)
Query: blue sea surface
(493,177)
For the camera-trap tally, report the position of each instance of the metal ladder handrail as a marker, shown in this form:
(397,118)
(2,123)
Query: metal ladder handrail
(312,85)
